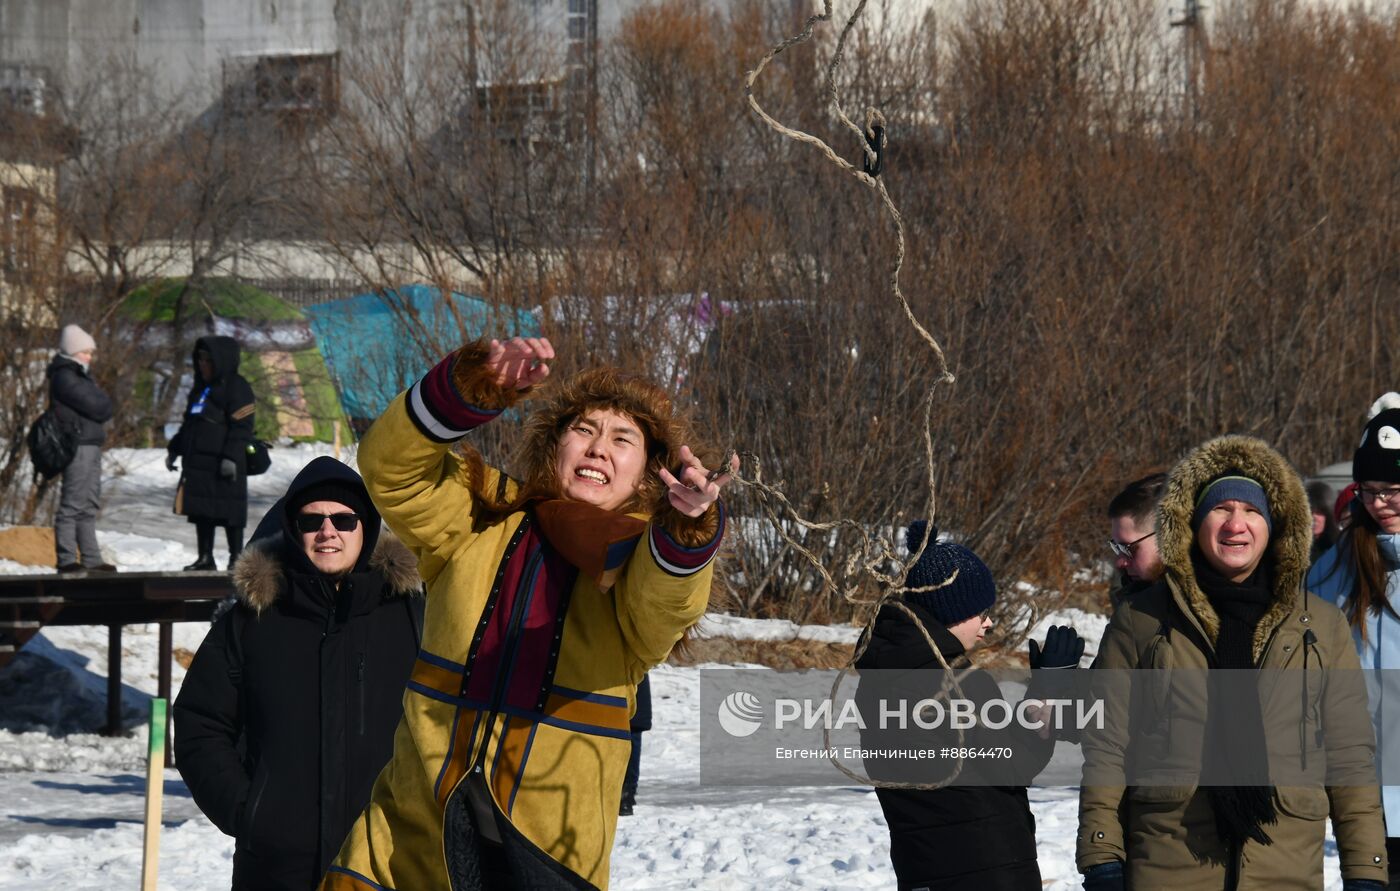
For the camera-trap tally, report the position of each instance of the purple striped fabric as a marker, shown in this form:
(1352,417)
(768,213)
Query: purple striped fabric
(439,410)
(677,559)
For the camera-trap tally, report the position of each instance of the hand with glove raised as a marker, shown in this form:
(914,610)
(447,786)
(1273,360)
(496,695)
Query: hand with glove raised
(1063,649)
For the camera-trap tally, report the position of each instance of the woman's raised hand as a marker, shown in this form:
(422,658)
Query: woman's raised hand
(519,363)
(696,488)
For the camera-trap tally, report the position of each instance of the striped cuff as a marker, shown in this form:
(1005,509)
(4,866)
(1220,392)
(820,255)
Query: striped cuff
(678,560)
(438,410)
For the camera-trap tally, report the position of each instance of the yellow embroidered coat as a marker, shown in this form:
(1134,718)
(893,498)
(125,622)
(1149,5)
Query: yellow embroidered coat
(535,638)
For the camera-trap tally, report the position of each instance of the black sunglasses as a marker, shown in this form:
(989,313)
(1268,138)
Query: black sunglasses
(1126,550)
(345,522)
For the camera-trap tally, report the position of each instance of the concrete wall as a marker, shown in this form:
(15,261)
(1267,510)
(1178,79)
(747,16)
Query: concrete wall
(183,43)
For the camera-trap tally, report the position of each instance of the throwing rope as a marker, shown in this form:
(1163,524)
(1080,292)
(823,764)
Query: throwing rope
(872,555)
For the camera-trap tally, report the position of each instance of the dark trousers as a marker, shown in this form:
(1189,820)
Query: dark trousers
(634,767)
(75,522)
(204,540)
(1392,853)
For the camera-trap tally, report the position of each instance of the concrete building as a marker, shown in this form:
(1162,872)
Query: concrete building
(32,147)
(194,47)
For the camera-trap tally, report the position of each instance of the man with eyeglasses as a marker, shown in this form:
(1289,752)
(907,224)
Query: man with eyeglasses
(1132,516)
(288,712)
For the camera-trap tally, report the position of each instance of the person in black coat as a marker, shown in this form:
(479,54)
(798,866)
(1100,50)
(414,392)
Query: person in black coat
(213,445)
(288,711)
(977,833)
(81,405)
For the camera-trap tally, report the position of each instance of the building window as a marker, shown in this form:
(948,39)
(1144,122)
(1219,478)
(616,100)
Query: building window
(582,22)
(24,88)
(19,223)
(296,84)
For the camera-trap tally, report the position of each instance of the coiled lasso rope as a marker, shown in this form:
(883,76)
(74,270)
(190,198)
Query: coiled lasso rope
(873,555)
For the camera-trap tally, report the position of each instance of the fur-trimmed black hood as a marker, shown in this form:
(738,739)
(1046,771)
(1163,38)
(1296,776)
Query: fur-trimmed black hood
(259,575)
(1290,541)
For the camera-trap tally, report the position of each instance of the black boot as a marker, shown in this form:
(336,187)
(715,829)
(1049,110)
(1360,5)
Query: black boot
(204,541)
(234,536)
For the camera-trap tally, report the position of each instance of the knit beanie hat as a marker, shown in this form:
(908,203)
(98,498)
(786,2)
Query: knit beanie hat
(1231,487)
(74,340)
(1378,455)
(342,491)
(971,592)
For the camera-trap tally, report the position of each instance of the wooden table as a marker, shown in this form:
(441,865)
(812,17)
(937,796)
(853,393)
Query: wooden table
(29,602)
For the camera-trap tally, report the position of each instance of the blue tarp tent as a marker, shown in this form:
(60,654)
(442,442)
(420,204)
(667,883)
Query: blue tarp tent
(378,344)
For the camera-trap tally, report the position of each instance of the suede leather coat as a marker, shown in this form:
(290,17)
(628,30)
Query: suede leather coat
(540,624)
(1165,832)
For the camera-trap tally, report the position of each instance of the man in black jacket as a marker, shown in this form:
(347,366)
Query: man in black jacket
(80,405)
(288,712)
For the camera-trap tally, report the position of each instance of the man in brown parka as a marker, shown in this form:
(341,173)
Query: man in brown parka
(1165,833)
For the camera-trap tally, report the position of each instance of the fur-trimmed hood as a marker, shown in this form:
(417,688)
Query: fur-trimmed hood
(259,575)
(1290,541)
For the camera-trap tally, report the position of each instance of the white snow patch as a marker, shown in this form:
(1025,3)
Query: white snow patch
(740,628)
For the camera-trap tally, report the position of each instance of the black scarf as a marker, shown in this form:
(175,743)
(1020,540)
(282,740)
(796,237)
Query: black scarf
(1234,734)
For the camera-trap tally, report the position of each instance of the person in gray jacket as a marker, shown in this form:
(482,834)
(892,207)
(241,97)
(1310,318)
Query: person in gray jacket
(83,406)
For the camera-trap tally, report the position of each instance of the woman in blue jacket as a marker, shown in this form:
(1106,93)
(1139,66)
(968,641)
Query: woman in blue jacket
(1361,574)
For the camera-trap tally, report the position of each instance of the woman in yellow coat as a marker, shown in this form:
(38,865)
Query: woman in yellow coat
(548,601)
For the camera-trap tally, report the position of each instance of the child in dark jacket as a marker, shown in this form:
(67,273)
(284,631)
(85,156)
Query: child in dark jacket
(978,831)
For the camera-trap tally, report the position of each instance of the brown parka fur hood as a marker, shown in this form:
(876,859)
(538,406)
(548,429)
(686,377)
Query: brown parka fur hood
(1290,540)
(1163,830)
(258,574)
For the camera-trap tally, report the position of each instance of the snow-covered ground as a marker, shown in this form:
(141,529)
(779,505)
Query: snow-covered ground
(71,802)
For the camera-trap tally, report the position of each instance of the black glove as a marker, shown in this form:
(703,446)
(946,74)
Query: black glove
(1105,877)
(170,460)
(1362,885)
(1063,649)
(228,470)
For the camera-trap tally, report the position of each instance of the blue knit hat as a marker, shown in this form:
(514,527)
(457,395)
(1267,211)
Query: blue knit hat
(970,593)
(1231,487)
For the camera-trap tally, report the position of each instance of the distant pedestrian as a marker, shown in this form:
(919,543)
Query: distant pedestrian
(1322,500)
(212,445)
(1341,511)
(80,404)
